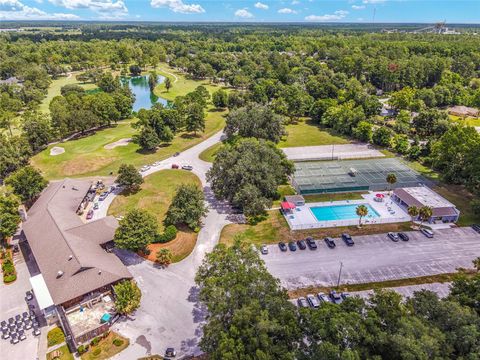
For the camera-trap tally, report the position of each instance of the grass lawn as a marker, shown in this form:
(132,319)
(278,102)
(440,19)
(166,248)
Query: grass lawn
(66,354)
(283,190)
(107,348)
(307,133)
(275,228)
(88,157)
(472,121)
(155,196)
(55,336)
(208,155)
(56,85)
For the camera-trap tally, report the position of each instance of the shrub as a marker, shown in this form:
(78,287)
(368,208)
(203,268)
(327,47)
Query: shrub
(82,349)
(95,341)
(96,352)
(118,342)
(169,234)
(9,278)
(55,336)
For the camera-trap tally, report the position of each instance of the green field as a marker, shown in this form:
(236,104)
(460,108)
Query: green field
(208,155)
(87,156)
(472,121)
(307,133)
(155,196)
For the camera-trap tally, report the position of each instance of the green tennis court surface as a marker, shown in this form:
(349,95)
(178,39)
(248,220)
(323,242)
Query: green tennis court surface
(352,175)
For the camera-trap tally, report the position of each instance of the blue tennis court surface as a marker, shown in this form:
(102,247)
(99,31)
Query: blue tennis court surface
(340,212)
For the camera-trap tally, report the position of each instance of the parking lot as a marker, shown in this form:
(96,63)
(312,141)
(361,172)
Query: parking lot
(375,258)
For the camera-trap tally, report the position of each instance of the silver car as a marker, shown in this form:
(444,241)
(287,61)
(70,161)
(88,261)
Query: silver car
(264,249)
(313,301)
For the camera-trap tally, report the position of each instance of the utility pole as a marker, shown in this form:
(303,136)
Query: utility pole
(339,274)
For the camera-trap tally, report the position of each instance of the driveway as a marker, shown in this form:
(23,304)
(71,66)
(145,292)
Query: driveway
(169,315)
(12,302)
(375,258)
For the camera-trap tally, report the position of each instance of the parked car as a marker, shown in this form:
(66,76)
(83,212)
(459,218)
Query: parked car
(313,301)
(312,245)
(103,196)
(301,244)
(347,239)
(36,332)
(282,246)
(345,295)
(302,302)
(403,236)
(292,246)
(264,249)
(336,298)
(394,237)
(476,227)
(145,168)
(176,154)
(170,352)
(323,298)
(175,166)
(330,243)
(187,167)
(15,248)
(111,188)
(95,205)
(427,232)
(89,214)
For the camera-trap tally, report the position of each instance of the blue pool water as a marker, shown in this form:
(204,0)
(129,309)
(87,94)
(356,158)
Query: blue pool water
(341,212)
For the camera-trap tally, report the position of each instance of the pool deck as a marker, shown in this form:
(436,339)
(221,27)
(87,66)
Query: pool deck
(302,217)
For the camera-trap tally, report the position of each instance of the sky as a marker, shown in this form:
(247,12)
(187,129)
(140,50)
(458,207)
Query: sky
(312,11)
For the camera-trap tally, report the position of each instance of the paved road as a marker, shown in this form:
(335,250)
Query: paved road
(169,314)
(376,258)
(442,290)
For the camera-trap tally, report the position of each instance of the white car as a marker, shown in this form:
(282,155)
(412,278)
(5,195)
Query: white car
(427,232)
(145,168)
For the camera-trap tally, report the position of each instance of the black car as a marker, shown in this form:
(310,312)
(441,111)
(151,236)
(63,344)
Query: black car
(282,246)
(403,236)
(170,352)
(312,245)
(330,243)
(29,295)
(476,227)
(347,239)
(292,246)
(336,298)
(301,244)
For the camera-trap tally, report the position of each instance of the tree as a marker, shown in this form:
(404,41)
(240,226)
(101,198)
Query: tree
(403,99)
(195,118)
(391,179)
(382,136)
(152,80)
(363,131)
(187,207)
(108,83)
(27,183)
(249,312)
(147,139)
(401,143)
(164,257)
(67,89)
(413,211)
(129,177)
(127,296)
(431,123)
(220,99)
(136,230)
(9,215)
(361,211)
(135,70)
(168,83)
(14,153)
(425,213)
(258,166)
(402,122)
(256,121)
(37,130)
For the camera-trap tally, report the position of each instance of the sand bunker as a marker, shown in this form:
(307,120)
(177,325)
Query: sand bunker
(56,150)
(121,142)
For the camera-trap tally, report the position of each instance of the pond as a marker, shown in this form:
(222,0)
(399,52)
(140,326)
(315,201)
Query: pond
(144,98)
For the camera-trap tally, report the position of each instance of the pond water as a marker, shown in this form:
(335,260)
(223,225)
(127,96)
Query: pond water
(144,98)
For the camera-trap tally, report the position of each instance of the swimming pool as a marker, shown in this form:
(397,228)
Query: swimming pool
(340,212)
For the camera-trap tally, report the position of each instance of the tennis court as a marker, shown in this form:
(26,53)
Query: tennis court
(352,175)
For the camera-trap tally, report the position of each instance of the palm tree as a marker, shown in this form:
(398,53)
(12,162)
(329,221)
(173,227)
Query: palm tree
(425,213)
(391,179)
(413,212)
(164,257)
(168,83)
(476,263)
(361,211)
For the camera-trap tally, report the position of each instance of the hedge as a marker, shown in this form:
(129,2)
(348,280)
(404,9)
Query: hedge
(169,234)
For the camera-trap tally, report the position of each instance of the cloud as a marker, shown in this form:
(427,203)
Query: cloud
(178,6)
(262,6)
(243,13)
(337,15)
(286,11)
(109,9)
(373,1)
(358,7)
(15,10)
(295,2)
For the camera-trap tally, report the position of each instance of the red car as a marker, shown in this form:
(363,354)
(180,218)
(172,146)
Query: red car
(175,166)
(89,214)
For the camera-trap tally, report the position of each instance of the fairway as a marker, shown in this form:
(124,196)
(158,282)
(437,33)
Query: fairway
(88,157)
(307,133)
(155,196)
